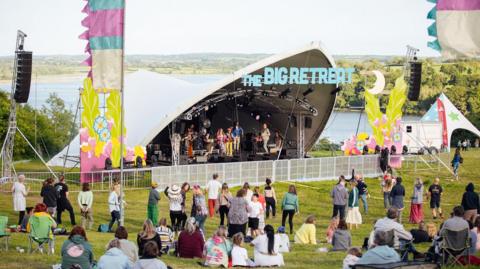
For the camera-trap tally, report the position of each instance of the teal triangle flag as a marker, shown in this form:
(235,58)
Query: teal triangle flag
(432,29)
(432,1)
(434,45)
(432,15)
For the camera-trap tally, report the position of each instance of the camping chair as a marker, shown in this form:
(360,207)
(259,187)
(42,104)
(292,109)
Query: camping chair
(40,233)
(401,248)
(453,245)
(3,230)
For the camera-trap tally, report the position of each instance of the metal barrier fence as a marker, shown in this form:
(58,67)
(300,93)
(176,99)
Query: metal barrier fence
(235,174)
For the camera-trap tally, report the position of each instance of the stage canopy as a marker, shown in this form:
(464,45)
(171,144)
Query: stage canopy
(154,101)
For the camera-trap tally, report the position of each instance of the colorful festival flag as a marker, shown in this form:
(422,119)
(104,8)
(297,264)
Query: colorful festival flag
(105,25)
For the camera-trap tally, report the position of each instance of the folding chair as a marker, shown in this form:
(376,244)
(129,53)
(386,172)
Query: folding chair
(4,234)
(453,246)
(40,234)
(402,249)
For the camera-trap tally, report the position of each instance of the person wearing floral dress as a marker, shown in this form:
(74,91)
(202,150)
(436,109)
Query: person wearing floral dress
(218,248)
(199,207)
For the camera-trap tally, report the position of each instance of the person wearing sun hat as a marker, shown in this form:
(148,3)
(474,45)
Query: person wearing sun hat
(175,197)
(152,208)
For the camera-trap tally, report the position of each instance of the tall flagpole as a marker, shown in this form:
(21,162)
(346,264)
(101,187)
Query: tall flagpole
(122,112)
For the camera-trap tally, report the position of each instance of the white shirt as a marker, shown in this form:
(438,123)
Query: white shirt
(113,203)
(284,243)
(85,197)
(213,187)
(262,258)
(240,257)
(255,209)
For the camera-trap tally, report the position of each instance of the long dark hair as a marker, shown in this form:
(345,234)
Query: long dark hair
(270,232)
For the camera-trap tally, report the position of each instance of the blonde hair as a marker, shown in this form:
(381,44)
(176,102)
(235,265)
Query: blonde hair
(333,224)
(148,229)
(431,229)
(237,239)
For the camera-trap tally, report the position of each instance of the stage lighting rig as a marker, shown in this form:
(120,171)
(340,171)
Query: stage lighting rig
(307,92)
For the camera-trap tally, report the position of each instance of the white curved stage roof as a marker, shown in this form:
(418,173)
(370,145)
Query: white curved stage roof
(153,101)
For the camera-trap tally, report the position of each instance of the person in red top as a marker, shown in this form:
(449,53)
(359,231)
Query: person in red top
(261,198)
(190,241)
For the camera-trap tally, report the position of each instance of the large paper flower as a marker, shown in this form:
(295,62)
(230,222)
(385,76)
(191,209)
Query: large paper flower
(100,124)
(104,135)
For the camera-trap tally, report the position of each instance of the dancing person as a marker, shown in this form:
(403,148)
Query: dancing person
(63,203)
(342,239)
(49,195)
(175,197)
(381,253)
(332,227)
(114,257)
(152,207)
(416,207)
(278,140)
(362,191)
(19,192)
(387,186)
(265,137)
(85,202)
(256,209)
(434,194)
(397,195)
(199,207)
(229,142)
(114,207)
(213,187)
(456,161)
(420,235)
(76,250)
(353,255)
(470,203)
(307,232)
(239,253)
(237,136)
(248,192)
(218,249)
(270,198)
(283,239)
(148,234)
(149,258)
(353,213)
(224,198)
(126,246)
(238,214)
(166,235)
(221,139)
(190,241)
(339,195)
(266,249)
(184,190)
(290,206)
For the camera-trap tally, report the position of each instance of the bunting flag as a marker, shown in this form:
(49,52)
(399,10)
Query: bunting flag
(104,23)
(456,28)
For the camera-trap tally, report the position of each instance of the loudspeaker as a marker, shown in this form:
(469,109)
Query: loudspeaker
(308,122)
(415,81)
(24,76)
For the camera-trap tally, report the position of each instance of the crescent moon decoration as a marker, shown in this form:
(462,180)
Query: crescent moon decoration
(379,85)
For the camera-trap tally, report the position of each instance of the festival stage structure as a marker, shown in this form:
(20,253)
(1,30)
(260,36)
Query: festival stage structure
(168,119)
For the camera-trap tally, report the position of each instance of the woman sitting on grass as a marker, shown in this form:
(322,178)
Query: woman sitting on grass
(218,248)
(266,249)
(127,247)
(148,234)
(114,257)
(149,258)
(306,233)
(331,229)
(190,241)
(342,240)
(76,251)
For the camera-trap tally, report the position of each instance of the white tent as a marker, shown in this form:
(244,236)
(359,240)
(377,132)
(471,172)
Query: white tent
(443,110)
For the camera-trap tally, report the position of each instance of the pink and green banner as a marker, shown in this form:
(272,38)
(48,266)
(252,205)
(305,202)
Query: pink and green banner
(456,28)
(105,24)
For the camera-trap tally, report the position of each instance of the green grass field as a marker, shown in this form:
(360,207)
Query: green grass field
(314,199)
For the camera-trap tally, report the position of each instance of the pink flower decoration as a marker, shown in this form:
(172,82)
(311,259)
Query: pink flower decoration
(376,122)
(110,124)
(83,135)
(107,149)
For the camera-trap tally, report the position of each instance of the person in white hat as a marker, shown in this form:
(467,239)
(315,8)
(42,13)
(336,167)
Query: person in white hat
(175,197)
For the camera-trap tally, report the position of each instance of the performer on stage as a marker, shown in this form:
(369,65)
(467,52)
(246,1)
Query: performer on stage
(278,140)
(189,138)
(208,142)
(229,142)
(265,137)
(221,139)
(237,135)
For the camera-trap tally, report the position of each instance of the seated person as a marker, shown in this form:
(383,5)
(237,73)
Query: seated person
(381,253)
(266,249)
(76,251)
(420,235)
(331,229)
(456,222)
(148,234)
(432,231)
(23,225)
(307,232)
(127,247)
(114,257)
(353,255)
(166,235)
(149,257)
(283,239)
(341,240)
(217,249)
(190,241)
(40,214)
(239,253)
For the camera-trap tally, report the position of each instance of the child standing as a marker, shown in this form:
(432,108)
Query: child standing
(270,198)
(240,254)
(353,213)
(261,199)
(256,210)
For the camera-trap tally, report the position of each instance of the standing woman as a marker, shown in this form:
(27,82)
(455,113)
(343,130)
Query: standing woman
(19,193)
(456,161)
(184,189)
(397,195)
(387,186)
(175,197)
(290,206)
(339,195)
(238,214)
(416,210)
(224,198)
(248,192)
(152,207)
(199,207)
(85,202)
(265,137)
(221,139)
(270,198)
(353,213)
(114,207)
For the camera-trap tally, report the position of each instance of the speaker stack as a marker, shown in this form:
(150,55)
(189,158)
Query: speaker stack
(415,81)
(24,75)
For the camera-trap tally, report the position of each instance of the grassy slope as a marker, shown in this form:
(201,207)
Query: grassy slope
(314,198)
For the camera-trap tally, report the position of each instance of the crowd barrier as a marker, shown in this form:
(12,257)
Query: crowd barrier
(235,174)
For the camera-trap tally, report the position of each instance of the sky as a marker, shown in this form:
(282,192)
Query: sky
(352,27)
